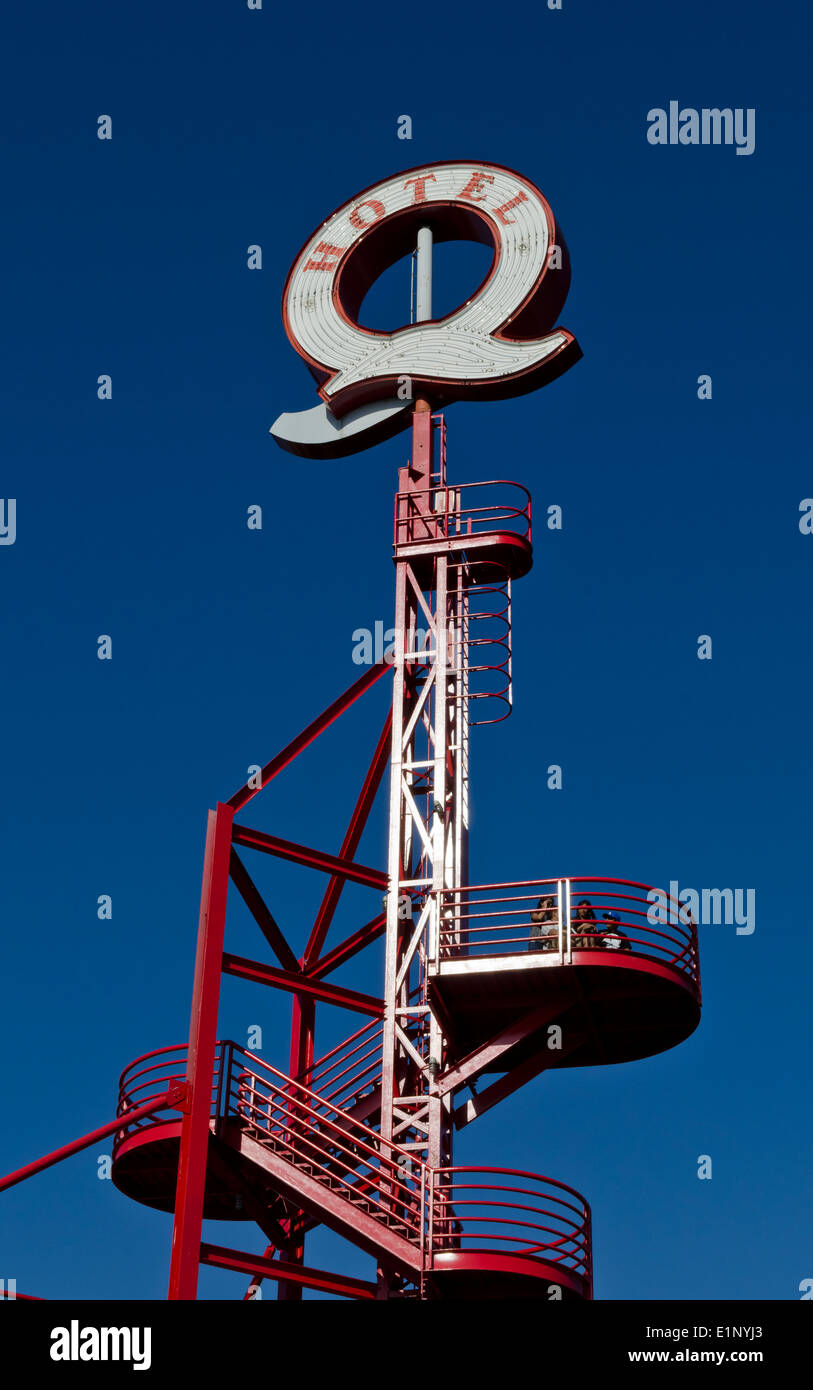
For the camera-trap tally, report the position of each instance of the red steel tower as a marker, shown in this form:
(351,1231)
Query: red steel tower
(484,986)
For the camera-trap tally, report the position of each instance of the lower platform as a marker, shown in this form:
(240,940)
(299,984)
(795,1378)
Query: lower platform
(489,1275)
(276,1148)
(145,1168)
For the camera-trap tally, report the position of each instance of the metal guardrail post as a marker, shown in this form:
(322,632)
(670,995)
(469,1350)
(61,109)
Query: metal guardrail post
(560,897)
(433,939)
(223,1064)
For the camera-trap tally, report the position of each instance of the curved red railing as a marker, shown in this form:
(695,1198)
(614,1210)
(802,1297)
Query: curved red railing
(146,1079)
(496,919)
(480,590)
(474,1211)
(296,1122)
(477,1215)
(449,512)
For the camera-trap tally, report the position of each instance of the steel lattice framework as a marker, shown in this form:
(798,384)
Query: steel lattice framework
(496,982)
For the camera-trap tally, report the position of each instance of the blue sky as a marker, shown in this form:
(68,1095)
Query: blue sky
(128,257)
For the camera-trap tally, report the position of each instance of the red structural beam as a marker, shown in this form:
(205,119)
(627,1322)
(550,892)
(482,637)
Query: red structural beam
(314,729)
(311,858)
(495,1050)
(341,1284)
(259,973)
(317,969)
(350,843)
(250,894)
(498,1090)
(194,1146)
(173,1097)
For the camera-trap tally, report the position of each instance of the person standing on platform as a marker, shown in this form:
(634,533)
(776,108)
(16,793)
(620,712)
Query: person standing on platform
(544,933)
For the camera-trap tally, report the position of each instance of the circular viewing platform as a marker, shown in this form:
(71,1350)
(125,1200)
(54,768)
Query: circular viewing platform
(501,1233)
(612,962)
(488,521)
(145,1153)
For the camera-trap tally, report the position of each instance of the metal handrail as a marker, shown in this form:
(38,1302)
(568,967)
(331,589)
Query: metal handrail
(440,1211)
(495,919)
(479,582)
(329,1140)
(450,520)
(342,1072)
(567,1242)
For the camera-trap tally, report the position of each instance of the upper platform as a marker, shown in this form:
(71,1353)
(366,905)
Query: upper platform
(600,957)
(489,523)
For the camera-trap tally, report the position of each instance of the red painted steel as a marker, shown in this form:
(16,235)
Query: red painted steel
(169,1096)
(348,948)
(476,1214)
(323,721)
(414,1214)
(341,1285)
(251,897)
(350,843)
(310,858)
(360,1139)
(453,512)
(186,1232)
(301,984)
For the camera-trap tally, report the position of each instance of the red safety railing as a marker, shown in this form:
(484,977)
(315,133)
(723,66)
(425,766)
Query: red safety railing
(147,1077)
(300,1125)
(478,1210)
(568,916)
(446,512)
(351,1071)
(440,1210)
(479,593)
(312,1134)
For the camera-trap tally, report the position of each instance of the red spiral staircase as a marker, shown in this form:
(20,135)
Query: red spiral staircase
(474,1007)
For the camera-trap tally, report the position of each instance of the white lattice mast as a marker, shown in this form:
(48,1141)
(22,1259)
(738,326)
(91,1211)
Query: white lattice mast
(428,840)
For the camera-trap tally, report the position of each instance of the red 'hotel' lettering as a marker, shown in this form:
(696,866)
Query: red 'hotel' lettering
(474,185)
(506,207)
(326,263)
(356,218)
(420,187)
(473,192)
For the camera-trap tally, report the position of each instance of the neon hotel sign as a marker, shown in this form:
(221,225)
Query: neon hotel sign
(501,342)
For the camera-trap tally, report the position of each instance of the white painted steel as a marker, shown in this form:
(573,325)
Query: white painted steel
(423,308)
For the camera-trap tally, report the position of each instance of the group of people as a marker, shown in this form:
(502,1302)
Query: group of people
(586,931)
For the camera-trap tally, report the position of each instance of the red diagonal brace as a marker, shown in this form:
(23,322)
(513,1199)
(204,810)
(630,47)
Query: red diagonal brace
(495,1048)
(250,894)
(347,948)
(171,1097)
(311,858)
(350,843)
(261,974)
(498,1090)
(322,722)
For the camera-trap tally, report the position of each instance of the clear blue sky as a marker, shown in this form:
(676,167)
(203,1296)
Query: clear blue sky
(233,127)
